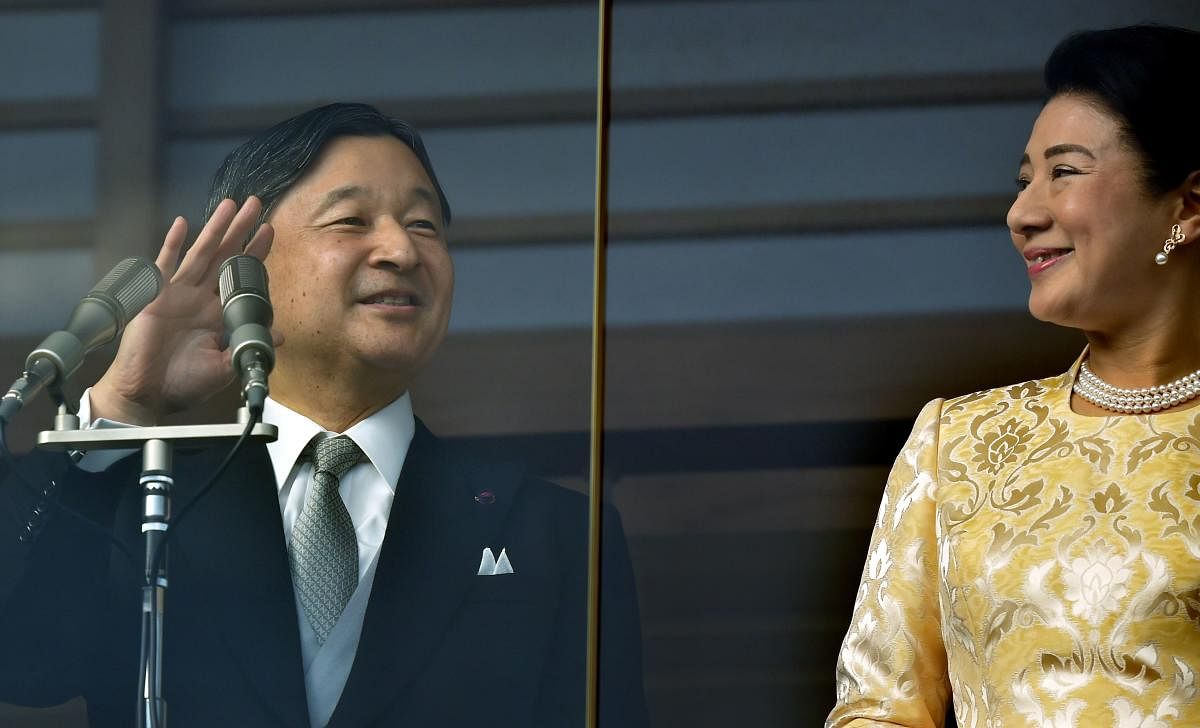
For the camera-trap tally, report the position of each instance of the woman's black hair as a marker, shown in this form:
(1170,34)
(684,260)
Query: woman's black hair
(1145,76)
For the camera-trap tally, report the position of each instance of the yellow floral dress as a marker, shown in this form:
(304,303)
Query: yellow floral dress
(1036,566)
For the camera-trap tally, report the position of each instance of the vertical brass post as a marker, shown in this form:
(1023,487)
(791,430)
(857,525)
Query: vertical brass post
(599,302)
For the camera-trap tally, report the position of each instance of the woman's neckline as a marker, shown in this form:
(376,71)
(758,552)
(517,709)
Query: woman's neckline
(1065,390)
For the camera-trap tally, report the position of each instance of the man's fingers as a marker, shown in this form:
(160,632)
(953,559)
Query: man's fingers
(235,235)
(197,261)
(239,229)
(168,254)
(260,245)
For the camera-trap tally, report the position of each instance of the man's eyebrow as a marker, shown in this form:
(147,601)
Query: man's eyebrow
(347,192)
(1058,149)
(426,194)
(336,195)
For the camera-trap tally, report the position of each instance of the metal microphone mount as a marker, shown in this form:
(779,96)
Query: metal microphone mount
(158,445)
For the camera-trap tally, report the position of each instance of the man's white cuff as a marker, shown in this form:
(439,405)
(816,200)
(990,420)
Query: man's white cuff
(100,460)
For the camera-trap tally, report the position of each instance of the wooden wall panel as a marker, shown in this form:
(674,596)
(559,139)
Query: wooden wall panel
(710,375)
(72,714)
(45,234)
(56,114)
(129,122)
(756,501)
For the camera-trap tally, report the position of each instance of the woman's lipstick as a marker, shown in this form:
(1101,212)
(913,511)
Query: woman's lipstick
(1039,259)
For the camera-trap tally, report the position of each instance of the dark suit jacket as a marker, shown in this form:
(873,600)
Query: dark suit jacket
(440,646)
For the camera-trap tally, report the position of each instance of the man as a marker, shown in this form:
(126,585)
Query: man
(303,592)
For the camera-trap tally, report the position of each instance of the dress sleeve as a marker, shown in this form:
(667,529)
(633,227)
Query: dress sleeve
(891,670)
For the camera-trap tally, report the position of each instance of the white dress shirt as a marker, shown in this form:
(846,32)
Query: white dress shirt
(367,490)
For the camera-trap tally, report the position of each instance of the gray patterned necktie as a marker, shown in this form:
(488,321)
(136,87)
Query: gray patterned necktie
(324,547)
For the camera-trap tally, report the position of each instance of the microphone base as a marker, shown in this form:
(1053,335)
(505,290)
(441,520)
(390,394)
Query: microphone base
(130,438)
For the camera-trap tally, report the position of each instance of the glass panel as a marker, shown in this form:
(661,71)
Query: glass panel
(485,548)
(48,56)
(37,161)
(450,53)
(808,210)
(507,391)
(24,275)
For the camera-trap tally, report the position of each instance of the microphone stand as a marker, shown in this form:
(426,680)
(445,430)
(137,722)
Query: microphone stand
(158,445)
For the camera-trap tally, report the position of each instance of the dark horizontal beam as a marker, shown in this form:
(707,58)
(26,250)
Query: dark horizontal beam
(45,234)
(260,8)
(682,224)
(808,370)
(244,8)
(425,113)
(48,5)
(52,114)
(714,222)
(781,372)
(643,103)
(669,224)
(824,94)
(811,217)
(578,106)
(265,8)
(724,449)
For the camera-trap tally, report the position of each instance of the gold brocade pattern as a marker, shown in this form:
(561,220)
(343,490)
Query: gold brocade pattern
(1039,567)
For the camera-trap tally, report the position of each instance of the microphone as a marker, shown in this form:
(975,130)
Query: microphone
(248,315)
(98,318)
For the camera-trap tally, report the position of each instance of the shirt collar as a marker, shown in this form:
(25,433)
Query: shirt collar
(384,437)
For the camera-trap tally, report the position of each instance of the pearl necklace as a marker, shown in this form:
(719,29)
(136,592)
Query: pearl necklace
(1135,401)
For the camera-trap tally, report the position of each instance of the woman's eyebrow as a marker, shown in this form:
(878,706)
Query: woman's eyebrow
(1058,149)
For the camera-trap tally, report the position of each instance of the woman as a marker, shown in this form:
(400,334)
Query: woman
(1036,558)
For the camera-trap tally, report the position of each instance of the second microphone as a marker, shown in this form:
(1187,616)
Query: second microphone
(248,315)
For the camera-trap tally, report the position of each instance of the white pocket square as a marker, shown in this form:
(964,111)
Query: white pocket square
(489,565)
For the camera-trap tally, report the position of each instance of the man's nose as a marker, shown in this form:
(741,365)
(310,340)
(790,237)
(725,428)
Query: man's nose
(394,245)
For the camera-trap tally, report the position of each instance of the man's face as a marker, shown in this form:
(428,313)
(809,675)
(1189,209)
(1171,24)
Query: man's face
(360,276)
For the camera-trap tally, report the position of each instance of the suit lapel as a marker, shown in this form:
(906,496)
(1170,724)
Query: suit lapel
(427,565)
(244,577)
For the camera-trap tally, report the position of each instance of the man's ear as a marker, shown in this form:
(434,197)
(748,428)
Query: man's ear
(1189,208)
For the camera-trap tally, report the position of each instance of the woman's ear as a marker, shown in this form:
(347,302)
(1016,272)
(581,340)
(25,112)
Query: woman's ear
(1189,213)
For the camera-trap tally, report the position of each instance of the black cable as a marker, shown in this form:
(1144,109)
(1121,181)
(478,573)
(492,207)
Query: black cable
(148,634)
(208,486)
(143,661)
(100,530)
(5,453)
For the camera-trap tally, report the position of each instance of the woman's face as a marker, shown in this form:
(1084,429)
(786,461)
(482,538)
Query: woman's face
(1084,222)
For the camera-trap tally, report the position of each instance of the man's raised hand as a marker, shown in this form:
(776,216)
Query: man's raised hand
(170,357)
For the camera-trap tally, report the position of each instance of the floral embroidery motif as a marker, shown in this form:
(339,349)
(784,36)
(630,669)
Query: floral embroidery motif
(1193,487)
(1001,447)
(1033,566)
(1111,500)
(1096,583)
(1026,390)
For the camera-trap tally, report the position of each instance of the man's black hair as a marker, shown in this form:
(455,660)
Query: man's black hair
(269,163)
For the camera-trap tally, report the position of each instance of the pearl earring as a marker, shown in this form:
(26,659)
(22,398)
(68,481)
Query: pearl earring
(1175,239)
